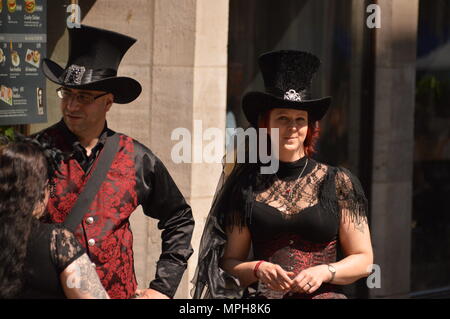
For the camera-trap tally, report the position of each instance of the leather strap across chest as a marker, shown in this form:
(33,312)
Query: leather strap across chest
(92,186)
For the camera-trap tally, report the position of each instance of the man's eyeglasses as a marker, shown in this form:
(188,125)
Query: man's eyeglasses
(82,98)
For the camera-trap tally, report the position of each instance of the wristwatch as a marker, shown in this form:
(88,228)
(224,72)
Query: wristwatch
(332,270)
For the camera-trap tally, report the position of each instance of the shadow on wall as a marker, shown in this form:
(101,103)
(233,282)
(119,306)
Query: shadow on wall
(56,24)
(256,26)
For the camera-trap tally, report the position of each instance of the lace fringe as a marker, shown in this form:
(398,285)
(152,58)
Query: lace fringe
(343,195)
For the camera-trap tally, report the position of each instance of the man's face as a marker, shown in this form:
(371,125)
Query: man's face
(84,111)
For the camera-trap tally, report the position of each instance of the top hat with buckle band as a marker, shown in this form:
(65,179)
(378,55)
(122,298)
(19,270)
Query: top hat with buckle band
(287,78)
(94,57)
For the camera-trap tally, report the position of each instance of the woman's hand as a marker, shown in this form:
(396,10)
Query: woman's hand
(310,279)
(275,277)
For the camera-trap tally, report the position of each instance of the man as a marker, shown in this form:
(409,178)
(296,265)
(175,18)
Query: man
(89,87)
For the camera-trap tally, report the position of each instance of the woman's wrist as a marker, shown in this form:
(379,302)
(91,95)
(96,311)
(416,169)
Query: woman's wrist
(330,273)
(256,268)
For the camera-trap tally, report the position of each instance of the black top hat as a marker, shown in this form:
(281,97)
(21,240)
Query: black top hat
(287,78)
(94,57)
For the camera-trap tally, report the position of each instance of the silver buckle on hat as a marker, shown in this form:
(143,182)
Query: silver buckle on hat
(292,95)
(74,74)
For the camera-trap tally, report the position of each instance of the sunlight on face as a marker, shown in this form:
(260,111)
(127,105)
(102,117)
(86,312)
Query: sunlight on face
(293,127)
(82,118)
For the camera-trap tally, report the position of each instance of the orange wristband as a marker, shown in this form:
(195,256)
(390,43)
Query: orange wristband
(256,268)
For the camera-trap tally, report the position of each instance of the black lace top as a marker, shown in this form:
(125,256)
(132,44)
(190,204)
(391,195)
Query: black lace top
(51,249)
(293,217)
(291,225)
(289,203)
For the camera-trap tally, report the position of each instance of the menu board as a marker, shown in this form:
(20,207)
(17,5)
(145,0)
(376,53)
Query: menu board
(23,44)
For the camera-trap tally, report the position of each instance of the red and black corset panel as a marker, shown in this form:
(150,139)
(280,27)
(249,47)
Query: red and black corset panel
(295,254)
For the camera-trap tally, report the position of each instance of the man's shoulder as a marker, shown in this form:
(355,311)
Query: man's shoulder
(144,154)
(139,147)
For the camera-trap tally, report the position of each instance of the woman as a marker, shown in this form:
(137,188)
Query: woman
(295,219)
(37,260)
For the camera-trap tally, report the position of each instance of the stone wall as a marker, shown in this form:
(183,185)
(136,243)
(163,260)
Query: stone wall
(393,145)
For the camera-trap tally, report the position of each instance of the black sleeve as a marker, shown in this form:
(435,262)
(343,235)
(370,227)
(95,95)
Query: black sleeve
(351,199)
(161,199)
(64,248)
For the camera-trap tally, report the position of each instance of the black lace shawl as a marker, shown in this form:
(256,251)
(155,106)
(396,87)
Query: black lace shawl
(340,193)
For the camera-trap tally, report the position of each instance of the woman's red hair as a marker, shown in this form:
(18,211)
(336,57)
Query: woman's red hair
(312,135)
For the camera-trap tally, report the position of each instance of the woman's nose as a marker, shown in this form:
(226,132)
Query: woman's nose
(292,124)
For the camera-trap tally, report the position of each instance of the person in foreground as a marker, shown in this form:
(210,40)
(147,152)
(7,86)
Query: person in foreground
(135,176)
(37,260)
(295,219)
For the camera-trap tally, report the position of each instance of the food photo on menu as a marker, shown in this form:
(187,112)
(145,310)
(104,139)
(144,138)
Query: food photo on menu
(6,95)
(30,6)
(33,57)
(12,5)
(2,56)
(15,59)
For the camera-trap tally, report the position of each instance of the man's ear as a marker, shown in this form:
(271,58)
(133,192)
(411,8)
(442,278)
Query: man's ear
(109,101)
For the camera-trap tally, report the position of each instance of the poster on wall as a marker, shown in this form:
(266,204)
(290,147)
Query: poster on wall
(23,44)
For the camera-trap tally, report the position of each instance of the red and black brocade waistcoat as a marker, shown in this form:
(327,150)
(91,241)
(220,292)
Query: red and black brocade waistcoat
(107,237)
(105,230)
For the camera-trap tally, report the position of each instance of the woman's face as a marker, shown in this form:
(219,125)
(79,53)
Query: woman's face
(293,127)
